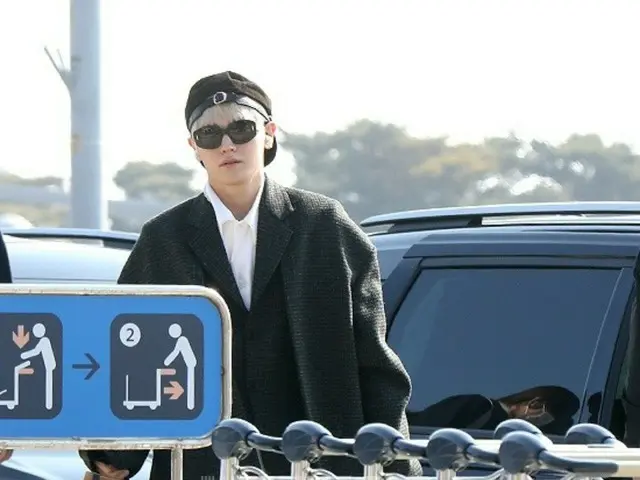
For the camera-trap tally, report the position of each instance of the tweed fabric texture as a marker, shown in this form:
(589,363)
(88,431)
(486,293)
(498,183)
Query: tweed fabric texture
(348,374)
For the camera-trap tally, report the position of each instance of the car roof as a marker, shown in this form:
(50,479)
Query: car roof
(394,234)
(66,255)
(529,241)
(477,214)
(612,217)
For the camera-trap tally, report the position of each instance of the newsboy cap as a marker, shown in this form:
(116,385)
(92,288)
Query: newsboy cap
(227,87)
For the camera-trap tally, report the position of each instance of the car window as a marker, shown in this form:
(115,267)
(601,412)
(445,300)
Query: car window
(485,344)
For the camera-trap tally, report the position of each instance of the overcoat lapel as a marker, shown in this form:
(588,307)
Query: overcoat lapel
(206,242)
(274,235)
(276,244)
(272,240)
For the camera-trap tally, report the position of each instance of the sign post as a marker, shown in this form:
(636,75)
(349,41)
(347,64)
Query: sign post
(113,367)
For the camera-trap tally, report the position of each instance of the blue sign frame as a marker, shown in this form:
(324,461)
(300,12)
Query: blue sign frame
(117,366)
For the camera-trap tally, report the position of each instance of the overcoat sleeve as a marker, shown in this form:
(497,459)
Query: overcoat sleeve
(139,269)
(384,382)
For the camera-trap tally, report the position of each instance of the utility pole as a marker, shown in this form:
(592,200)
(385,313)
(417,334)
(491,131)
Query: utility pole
(88,207)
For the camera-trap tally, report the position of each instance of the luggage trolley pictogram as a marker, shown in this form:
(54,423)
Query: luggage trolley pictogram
(15,401)
(153,403)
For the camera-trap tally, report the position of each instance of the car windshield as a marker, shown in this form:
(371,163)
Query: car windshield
(486,344)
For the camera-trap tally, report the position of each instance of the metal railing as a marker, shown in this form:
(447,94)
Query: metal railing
(518,451)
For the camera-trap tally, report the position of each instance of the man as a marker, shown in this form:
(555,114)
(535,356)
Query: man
(299,276)
(548,407)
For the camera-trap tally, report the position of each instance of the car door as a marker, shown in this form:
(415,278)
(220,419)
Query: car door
(485,340)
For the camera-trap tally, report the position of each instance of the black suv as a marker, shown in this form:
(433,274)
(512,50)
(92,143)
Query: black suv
(511,311)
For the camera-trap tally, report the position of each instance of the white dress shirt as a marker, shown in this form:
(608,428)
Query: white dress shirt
(239,238)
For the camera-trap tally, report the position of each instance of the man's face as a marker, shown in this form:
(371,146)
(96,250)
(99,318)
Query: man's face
(534,410)
(236,139)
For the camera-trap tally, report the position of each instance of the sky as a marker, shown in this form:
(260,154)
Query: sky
(462,68)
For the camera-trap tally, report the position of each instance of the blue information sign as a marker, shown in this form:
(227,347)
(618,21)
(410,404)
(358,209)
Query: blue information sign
(129,364)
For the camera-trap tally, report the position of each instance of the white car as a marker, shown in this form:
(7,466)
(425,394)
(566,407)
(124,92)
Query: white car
(59,255)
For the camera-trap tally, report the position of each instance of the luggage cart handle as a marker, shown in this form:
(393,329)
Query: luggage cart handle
(523,452)
(374,444)
(307,441)
(515,425)
(589,434)
(264,443)
(229,439)
(337,446)
(453,449)
(236,438)
(447,449)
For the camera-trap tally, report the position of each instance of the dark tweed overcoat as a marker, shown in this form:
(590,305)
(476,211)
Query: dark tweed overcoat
(348,375)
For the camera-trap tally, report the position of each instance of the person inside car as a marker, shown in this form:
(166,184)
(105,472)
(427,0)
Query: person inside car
(5,455)
(550,408)
(300,278)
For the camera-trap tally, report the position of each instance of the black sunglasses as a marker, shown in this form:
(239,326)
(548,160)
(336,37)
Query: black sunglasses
(210,137)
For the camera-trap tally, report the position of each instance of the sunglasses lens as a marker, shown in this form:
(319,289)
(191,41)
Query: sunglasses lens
(241,131)
(210,137)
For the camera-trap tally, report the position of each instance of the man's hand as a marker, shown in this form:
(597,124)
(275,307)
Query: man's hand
(107,471)
(5,455)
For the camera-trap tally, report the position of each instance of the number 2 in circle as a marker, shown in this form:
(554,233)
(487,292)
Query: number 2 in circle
(130,334)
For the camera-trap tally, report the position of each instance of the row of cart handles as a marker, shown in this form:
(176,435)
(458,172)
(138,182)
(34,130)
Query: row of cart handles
(518,449)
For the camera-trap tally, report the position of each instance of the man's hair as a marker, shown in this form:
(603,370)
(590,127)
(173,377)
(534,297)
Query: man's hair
(227,112)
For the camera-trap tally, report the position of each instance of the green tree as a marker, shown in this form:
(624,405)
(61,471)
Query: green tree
(368,166)
(587,168)
(38,215)
(47,181)
(164,181)
(374,168)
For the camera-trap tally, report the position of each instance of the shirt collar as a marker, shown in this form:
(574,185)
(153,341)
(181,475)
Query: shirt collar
(224,215)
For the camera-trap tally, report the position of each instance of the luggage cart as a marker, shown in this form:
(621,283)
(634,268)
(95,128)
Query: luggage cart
(12,403)
(518,451)
(151,404)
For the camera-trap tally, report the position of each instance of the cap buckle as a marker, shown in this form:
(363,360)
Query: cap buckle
(219,97)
